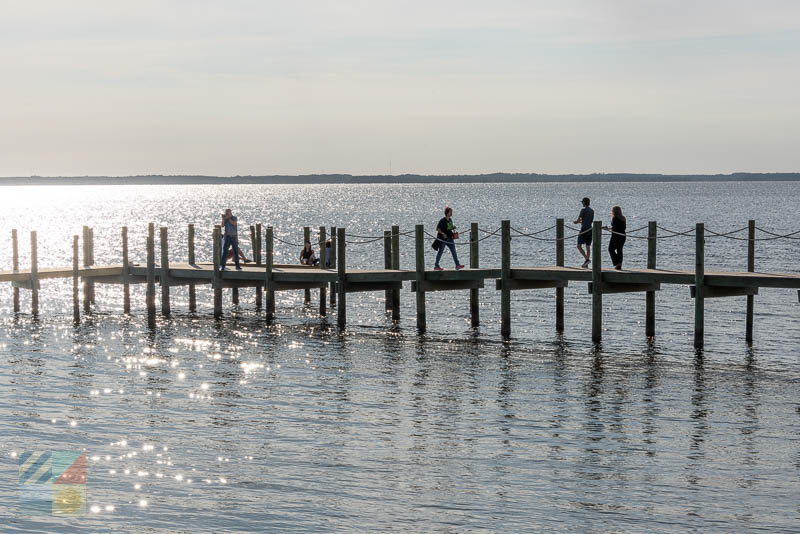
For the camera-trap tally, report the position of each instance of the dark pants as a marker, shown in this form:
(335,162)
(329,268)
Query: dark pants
(452,246)
(615,245)
(228,242)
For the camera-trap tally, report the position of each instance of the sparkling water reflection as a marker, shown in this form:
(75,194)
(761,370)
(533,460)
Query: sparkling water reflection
(233,425)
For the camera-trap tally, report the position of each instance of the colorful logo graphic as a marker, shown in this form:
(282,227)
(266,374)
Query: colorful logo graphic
(52,482)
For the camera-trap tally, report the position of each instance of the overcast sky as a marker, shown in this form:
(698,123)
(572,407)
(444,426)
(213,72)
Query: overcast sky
(373,86)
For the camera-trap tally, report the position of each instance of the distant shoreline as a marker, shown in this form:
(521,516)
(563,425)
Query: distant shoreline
(399,179)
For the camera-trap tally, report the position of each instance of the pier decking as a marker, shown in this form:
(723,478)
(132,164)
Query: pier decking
(266,276)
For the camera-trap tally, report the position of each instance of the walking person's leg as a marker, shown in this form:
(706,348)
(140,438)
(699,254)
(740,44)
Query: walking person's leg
(226,245)
(439,254)
(452,246)
(235,242)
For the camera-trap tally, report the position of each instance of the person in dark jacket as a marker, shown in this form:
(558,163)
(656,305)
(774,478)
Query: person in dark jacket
(585,219)
(445,233)
(617,241)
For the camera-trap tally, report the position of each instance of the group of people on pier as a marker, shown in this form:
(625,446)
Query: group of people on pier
(446,234)
(618,229)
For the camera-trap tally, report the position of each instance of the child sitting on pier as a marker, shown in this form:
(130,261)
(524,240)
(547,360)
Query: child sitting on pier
(307,256)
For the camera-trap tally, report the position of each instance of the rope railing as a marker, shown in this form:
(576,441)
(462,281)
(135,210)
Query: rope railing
(537,235)
(288,242)
(793,235)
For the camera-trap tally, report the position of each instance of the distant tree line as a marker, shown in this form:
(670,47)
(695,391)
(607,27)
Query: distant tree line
(399,179)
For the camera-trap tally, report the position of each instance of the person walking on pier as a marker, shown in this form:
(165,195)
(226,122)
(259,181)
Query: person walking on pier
(585,218)
(618,237)
(307,256)
(231,240)
(446,234)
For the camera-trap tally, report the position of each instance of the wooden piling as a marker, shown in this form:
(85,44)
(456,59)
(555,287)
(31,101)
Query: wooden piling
(257,258)
(76,301)
(419,254)
(268,262)
(253,244)
(559,263)
(597,282)
(307,239)
(192,261)
(396,266)
(699,281)
(15,265)
(505,274)
(34,275)
(751,267)
(164,278)
(126,286)
(474,263)
(151,277)
(217,280)
(650,298)
(323,297)
(341,266)
(333,265)
(91,262)
(387,264)
(85,280)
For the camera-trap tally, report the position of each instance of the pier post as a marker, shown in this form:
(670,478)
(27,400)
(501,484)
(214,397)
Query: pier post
(164,278)
(217,280)
(258,255)
(307,238)
(86,263)
(34,275)
(91,262)
(151,277)
(419,254)
(474,263)
(192,261)
(258,259)
(253,243)
(15,265)
(76,301)
(333,265)
(650,298)
(253,252)
(751,267)
(323,297)
(341,266)
(268,281)
(387,264)
(395,266)
(559,263)
(126,286)
(699,280)
(505,274)
(597,281)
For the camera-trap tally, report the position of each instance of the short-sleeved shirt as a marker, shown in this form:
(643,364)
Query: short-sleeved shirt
(230,228)
(587,218)
(306,254)
(446,227)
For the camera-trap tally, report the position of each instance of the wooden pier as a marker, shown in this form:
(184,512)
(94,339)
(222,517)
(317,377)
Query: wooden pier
(268,277)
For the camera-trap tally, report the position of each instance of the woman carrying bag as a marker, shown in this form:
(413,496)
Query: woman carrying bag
(446,234)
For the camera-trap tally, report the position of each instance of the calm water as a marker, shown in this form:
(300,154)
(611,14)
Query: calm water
(232,426)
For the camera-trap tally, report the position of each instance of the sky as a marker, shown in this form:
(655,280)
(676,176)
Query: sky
(265,87)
